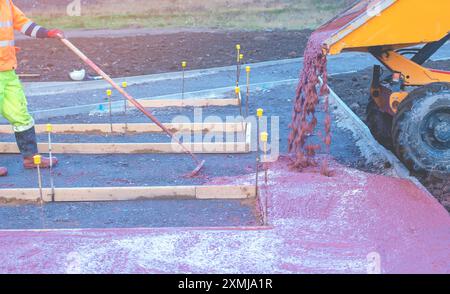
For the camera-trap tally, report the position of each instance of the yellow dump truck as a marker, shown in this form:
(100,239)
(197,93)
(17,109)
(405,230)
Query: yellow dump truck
(409,107)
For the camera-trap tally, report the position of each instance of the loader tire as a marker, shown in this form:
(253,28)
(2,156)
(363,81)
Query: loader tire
(380,124)
(421,130)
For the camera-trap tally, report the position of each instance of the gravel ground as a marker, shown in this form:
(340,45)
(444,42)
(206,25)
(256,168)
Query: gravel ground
(158,169)
(277,102)
(129,214)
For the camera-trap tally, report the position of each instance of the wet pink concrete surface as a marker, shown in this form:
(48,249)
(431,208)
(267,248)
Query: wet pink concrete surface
(353,222)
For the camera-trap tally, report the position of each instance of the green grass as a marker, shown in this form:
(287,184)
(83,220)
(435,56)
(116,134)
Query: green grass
(231,14)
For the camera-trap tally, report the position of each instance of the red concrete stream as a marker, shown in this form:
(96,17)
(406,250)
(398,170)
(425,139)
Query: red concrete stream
(312,90)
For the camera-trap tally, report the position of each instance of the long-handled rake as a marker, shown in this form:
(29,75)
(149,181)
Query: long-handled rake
(90,63)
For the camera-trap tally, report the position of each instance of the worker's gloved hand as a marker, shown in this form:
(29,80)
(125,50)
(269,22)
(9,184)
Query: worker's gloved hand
(55,33)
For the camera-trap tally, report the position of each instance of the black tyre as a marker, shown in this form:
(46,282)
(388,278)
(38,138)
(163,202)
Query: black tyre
(421,130)
(380,124)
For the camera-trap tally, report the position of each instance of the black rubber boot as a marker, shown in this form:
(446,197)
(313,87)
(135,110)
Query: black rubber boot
(26,141)
(28,148)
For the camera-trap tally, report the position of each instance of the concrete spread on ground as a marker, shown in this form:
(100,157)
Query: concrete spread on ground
(353,222)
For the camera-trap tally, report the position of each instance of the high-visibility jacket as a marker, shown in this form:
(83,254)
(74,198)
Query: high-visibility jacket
(12,18)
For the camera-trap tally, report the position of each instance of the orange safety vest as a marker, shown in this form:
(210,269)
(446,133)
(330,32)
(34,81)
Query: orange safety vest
(11,18)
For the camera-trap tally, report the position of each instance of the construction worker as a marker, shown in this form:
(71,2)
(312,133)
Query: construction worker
(13,103)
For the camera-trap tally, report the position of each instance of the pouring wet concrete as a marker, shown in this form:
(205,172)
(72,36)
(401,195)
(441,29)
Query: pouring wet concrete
(353,222)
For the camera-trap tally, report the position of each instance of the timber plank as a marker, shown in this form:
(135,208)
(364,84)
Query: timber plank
(87,194)
(131,128)
(196,102)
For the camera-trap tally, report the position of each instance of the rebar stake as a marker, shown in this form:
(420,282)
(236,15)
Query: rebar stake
(238,59)
(49,129)
(37,161)
(247,70)
(109,94)
(183,68)
(124,86)
(264,138)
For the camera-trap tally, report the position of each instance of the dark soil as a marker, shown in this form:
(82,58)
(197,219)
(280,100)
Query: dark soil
(149,54)
(354,90)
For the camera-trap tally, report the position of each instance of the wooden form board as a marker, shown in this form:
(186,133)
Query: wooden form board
(136,148)
(197,102)
(131,148)
(131,128)
(131,193)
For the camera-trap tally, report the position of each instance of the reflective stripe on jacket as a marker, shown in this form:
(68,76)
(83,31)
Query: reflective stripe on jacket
(12,18)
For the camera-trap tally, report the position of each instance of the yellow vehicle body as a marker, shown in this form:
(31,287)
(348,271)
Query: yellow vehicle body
(388,25)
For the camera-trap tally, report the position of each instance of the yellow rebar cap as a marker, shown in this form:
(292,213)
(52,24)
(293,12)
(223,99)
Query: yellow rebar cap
(49,128)
(183,64)
(247,68)
(37,159)
(109,92)
(259,112)
(238,47)
(124,84)
(264,136)
(241,56)
(237,90)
